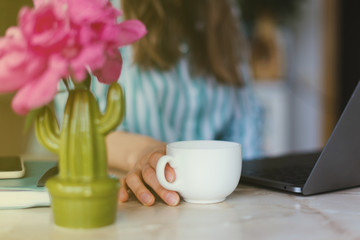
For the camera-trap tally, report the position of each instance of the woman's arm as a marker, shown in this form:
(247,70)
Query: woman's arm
(125,149)
(138,155)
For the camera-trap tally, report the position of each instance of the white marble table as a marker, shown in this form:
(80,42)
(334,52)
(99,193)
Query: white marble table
(249,213)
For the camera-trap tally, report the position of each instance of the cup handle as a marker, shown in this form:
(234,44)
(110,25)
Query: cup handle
(160,173)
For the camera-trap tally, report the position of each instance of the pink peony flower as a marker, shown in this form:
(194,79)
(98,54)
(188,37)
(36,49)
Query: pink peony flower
(59,39)
(45,30)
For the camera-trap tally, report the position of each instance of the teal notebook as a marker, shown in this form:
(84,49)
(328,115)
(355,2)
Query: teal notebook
(24,192)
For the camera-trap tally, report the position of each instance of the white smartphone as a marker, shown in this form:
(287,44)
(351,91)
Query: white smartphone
(11,167)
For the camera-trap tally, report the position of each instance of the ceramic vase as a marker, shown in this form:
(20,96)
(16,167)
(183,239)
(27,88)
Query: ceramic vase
(83,195)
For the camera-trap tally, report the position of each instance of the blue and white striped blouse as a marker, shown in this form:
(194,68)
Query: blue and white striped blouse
(174,106)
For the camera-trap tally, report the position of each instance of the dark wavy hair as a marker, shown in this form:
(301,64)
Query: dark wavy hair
(208,27)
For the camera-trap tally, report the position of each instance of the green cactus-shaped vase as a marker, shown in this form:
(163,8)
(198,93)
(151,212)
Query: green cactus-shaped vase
(82,194)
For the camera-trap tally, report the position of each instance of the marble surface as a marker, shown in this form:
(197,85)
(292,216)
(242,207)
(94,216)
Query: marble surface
(249,213)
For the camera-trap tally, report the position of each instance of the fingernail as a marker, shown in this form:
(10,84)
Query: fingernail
(171,198)
(169,176)
(122,195)
(146,198)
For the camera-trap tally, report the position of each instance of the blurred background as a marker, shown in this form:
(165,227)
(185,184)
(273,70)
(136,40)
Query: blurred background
(304,57)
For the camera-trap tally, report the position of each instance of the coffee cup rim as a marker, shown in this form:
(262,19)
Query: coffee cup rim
(203,145)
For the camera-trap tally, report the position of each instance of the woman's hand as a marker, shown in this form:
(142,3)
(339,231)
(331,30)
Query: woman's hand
(139,155)
(143,173)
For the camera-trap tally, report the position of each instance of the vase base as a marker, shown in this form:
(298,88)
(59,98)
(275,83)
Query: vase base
(83,205)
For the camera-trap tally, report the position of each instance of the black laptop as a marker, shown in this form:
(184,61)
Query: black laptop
(336,167)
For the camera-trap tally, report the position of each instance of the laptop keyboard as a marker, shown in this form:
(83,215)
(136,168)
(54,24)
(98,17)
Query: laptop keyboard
(290,174)
(293,169)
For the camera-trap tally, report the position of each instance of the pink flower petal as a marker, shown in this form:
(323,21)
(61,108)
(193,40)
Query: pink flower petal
(12,74)
(38,3)
(130,31)
(35,94)
(111,70)
(13,61)
(85,11)
(86,34)
(92,56)
(40,91)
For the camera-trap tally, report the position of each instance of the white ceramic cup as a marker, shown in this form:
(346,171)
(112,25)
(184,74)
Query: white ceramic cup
(206,171)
